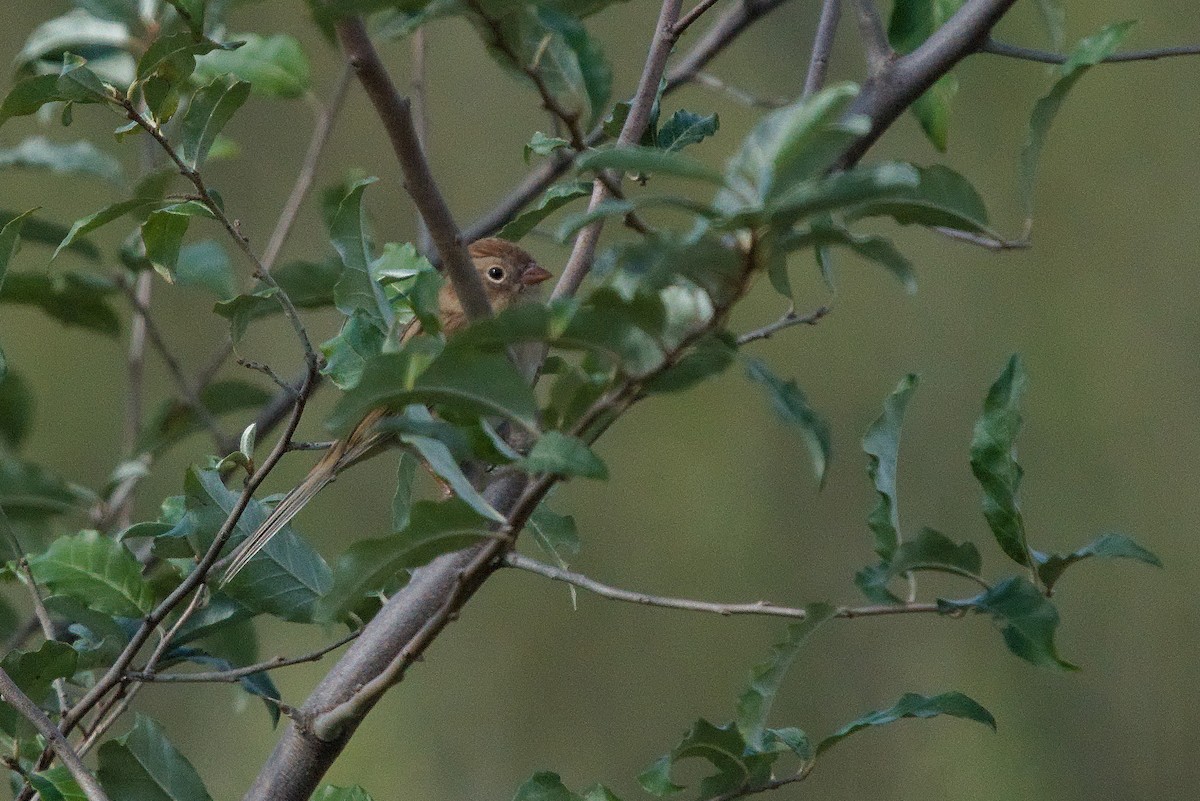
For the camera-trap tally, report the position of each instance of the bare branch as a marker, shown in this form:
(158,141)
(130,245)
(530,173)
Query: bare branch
(818,63)
(418,86)
(135,361)
(874,39)
(696,13)
(728,27)
(983,240)
(1046,57)
(58,742)
(395,113)
(237,674)
(710,81)
(786,321)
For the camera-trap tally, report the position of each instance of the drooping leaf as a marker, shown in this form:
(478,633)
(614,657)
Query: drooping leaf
(76,31)
(1027,619)
(97,570)
(686,128)
(80,158)
(35,672)
(78,84)
(881,443)
(911,705)
(28,96)
(994,461)
(638,159)
(143,764)
(162,235)
(754,705)
(1087,53)
(173,57)
(554,533)
(869,246)
(560,454)
(274,65)
(940,198)
(357,290)
(43,232)
(791,405)
(711,356)
(1050,567)
(438,457)
(402,500)
(259,685)
(209,111)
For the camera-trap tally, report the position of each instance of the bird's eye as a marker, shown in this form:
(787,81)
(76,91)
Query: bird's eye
(496,274)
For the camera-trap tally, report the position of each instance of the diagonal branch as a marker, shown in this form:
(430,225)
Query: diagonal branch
(395,113)
(874,39)
(237,674)
(786,321)
(818,64)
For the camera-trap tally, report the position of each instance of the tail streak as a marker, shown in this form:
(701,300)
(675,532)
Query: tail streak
(342,453)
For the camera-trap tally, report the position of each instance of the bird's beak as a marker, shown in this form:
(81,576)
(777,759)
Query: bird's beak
(535,275)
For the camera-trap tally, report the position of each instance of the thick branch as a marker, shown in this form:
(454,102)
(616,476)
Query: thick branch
(395,112)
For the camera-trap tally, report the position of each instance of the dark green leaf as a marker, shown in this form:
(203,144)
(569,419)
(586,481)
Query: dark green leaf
(912,705)
(175,419)
(357,290)
(48,233)
(941,197)
(173,57)
(10,238)
(103,217)
(711,356)
(551,200)
(35,672)
(402,500)
(210,109)
(686,128)
(259,685)
(544,786)
(554,533)
(881,443)
(739,769)
(31,493)
(929,550)
(346,354)
(369,565)
(556,453)
(162,235)
(994,462)
(80,158)
(78,84)
(76,299)
(754,705)
(437,457)
(95,569)
(16,410)
(873,248)
(28,96)
(789,403)
(1050,567)
(911,24)
(638,159)
(1087,53)
(57,784)
(274,66)
(143,764)
(1027,619)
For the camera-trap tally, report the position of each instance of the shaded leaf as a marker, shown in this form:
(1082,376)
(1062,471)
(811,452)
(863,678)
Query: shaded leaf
(994,462)
(206,265)
(738,768)
(175,420)
(28,96)
(74,299)
(912,705)
(1050,567)
(143,764)
(1027,619)
(941,197)
(544,786)
(357,290)
(103,217)
(869,246)
(97,570)
(32,493)
(639,159)
(48,233)
(929,550)
(16,410)
(686,128)
(551,200)
(75,158)
(208,112)
(332,793)
(911,24)
(348,353)
(556,453)
(881,443)
(791,405)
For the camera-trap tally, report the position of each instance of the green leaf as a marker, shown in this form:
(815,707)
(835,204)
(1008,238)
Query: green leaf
(274,66)
(173,57)
(103,217)
(739,768)
(80,158)
(686,128)
(57,784)
(10,238)
(873,248)
(711,356)
(911,705)
(929,550)
(789,403)
(35,672)
(638,159)
(1054,19)
(331,793)
(1087,53)
(556,453)
(143,764)
(175,420)
(347,354)
(31,493)
(162,235)
(16,410)
(542,145)
(554,533)
(48,233)
(912,22)
(551,201)
(308,284)
(208,112)
(544,786)
(994,462)
(940,198)
(74,299)
(437,456)
(259,685)
(28,96)
(402,500)
(97,570)
(357,290)
(839,190)
(78,84)
(1027,619)
(369,565)
(754,705)
(206,265)
(285,579)
(881,443)
(1050,567)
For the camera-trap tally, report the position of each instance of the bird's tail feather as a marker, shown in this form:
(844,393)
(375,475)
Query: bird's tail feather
(342,454)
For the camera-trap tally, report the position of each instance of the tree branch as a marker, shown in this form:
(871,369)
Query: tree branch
(1046,57)
(696,13)
(395,113)
(874,38)
(786,321)
(58,742)
(818,64)
(237,674)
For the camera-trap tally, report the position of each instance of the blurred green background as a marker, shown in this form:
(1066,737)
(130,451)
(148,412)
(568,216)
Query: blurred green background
(710,496)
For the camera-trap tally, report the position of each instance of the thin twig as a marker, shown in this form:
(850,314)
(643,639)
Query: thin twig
(237,674)
(1046,57)
(983,240)
(418,84)
(874,38)
(786,321)
(135,361)
(728,27)
(395,112)
(21,702)
(710,81)
(818,62)
(687,19)
(43,619)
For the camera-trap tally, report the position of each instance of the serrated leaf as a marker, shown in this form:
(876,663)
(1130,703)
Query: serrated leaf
(791,405)
(556,453)
(369,565)
(639,159)
(754,705)
(209,111)
(100,571)
(551,200)
(80,158)
(1028,619)
(1087,53)
(881,443)
(143,764)
(994,462)
(686,128)
(1050,567)
(274,65)
(911,705)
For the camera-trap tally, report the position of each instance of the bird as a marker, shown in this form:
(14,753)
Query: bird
(508,273)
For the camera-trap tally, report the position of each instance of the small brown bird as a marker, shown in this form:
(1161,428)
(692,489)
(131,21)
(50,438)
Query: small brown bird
(507,272)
